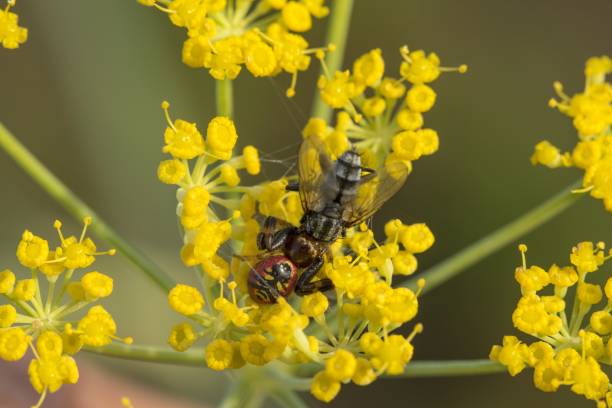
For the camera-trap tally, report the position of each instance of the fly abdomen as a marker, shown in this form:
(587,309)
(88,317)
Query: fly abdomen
(348,176)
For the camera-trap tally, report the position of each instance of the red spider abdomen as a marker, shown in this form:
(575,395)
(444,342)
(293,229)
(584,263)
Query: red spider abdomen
(278,272)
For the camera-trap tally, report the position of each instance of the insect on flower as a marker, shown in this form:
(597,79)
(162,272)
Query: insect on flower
(336,194)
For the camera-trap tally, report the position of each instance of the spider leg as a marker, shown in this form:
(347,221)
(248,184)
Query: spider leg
(305,285)
(269,239)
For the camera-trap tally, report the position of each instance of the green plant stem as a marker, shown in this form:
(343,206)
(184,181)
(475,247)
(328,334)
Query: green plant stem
(288,399)
(450,368)
(337,31)
(195,357)
(487,245)
(77,208)
(224,97)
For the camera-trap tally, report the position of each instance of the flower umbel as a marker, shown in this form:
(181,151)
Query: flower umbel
(591,114)
(350,338)
(48,325)
(570,350)
(262,36)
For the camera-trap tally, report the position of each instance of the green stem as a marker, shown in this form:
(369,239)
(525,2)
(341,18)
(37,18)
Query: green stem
(450,368)
(224,97)
(195,357)
(337,31)
(154,354)
(487,245)
(288,399)
(77,208)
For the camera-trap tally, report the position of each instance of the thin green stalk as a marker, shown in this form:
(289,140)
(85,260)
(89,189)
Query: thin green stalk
(195,357)
(288,399)
(154,354)
(224,97)
(450,368)
(77,208)
(487,245)
(337,31)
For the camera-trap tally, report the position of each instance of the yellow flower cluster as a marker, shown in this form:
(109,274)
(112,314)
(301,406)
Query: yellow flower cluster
(383,114)
(44,324)
(11,35)
(569,351)
(223,36)
(351,341)
(591,114)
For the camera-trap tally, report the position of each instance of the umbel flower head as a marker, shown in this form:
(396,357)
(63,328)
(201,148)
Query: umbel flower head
(11,34)
(591,114)
(262,35)
(382,115)
(573,341)
(47,324)
(349,336)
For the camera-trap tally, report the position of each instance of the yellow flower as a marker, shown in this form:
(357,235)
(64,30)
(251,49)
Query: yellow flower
(341,366)
(209,238)
(409,120)
(416,238)
(251,160)
(589,293)
(171,171)
(420,98)
(512,354)
(13,344)
(7,281)
(588,379)
(97,327)
(8,315)
(548,155)
(97,285)
(296,16)
(601,322)
(324,387)
(219,354)
(419,68)
(369,68)
(253,349)
(221,137)
(364,372)
(531,279)
(314,305)
(393,355)
(195,207)
(586,258)
(182,337)
(185,300)
(183,140)
(260,59)
(11,34)
(338,91)
(32,251)
(25,289)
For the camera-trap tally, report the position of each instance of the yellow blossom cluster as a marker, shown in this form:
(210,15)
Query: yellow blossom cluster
(570,350)
(591,114)
(383,115)
(350,338)
(263,36)
(46,324)
(11,34)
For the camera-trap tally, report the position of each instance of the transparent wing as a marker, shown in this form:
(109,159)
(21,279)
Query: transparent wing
(374,192)
(315,168)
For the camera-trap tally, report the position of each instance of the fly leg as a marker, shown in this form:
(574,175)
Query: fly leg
(293,186)
(369,175)
(269,239)
(306,286)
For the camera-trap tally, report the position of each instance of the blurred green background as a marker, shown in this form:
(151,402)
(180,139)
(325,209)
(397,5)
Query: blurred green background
(84,93)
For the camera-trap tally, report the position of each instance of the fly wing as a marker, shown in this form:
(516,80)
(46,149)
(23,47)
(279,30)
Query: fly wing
(374,192)
(316,174)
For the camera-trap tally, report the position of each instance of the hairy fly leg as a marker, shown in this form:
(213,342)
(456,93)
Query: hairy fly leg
(293,186)
(305,285)
(269,239)
(369,175)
